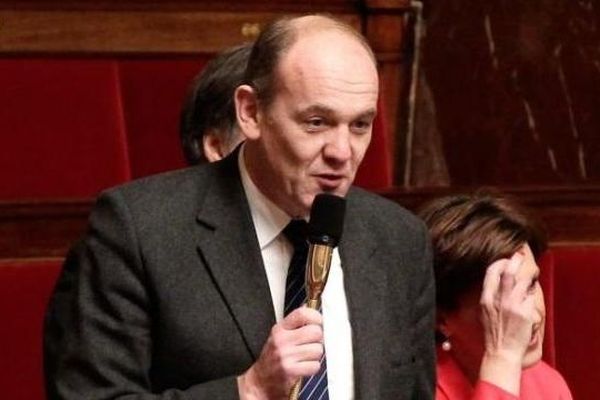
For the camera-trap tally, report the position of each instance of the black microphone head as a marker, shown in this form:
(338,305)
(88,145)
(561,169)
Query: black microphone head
(326,219)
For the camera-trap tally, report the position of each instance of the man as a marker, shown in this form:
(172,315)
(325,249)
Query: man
(177,292)
(208,128)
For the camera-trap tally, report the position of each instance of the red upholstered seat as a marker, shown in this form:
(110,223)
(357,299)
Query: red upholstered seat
(546,264)
(153,94)
(375,172)
(576,305)
(25,288)
(61,128)
(72,127)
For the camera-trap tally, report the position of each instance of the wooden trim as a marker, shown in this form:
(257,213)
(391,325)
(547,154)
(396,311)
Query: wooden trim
(570,215)
(41,228)
(26,261)
(35,208)
(569,243)
(187,5)
(387,6)
(47,228)
(386,33)
(130,32)
(187,27)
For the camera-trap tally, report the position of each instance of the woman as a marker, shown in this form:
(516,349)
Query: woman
(490,304)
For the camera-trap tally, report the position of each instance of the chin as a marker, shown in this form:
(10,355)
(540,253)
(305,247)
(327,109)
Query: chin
(340,191)
(532,357)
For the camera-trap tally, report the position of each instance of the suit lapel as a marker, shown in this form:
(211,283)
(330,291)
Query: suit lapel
(229,248)
(365,285)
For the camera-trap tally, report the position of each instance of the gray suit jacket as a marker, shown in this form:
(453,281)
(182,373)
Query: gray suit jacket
(166,296)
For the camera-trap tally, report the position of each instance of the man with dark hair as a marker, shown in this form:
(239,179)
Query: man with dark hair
(208,127)
(180,289)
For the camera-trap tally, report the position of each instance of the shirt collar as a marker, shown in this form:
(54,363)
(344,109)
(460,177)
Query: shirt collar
(269,220)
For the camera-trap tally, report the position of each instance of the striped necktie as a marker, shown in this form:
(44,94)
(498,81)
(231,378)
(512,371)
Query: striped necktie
(313,387)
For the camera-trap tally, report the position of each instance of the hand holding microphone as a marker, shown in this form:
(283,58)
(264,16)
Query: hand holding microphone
(324,233)
(295,346)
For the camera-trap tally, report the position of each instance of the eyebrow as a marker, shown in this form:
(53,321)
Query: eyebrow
(322,109)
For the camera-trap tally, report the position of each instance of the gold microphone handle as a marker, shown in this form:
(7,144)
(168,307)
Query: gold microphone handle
(295,392)
(317,271)
(313,303)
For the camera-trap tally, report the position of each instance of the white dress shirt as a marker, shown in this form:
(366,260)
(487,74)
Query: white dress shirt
(269,222)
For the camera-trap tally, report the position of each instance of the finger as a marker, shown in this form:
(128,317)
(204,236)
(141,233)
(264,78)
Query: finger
(308,352)
(491,282)
(515,262)
(507,284)
(520,291)
(509,277)
(311,333)
(305,368)
(300,317)
(523,249)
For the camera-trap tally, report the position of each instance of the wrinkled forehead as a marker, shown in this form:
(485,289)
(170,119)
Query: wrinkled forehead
(321,26)
(330,66)
(331,49)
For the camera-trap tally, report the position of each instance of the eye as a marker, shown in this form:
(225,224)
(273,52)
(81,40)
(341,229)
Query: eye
(315,124)
(362,126)
(533,284)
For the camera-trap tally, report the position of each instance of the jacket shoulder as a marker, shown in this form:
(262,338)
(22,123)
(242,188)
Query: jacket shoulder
(376,210)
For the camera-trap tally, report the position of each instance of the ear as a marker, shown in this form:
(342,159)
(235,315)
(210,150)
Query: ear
(247,110)
(212,146)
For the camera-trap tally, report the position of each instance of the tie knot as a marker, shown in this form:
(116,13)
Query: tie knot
(296,232)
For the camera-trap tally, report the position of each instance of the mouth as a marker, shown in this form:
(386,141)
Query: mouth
(329,182)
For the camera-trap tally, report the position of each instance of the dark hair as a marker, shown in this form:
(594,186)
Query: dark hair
(209,102)
(272,42)
(275,40)
(468,233)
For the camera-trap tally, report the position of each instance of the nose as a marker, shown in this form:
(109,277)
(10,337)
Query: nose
(539,314)
(338,148)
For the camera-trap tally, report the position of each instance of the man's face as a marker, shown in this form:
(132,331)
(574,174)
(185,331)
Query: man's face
(315,132)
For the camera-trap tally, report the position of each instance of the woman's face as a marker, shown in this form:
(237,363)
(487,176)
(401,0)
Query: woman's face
(464,325)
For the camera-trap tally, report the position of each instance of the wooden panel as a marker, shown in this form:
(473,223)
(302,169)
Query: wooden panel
(41,229)
(387,5)
(516,88)
(386,34)
(392,90)
(34,27)
(48,229)
(569,215)
(180,5)
(129,32)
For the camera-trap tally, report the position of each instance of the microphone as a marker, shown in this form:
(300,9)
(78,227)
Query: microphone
(324,233)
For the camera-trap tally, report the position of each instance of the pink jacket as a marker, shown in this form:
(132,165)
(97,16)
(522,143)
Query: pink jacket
(540,382)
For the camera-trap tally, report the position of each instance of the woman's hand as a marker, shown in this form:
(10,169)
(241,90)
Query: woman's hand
(507,318)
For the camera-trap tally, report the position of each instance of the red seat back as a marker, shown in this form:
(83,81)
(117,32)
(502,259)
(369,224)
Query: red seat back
(61,128)
(375,172)
(577,299)
(71,127)
(153,93)
(546,264)
(25,288)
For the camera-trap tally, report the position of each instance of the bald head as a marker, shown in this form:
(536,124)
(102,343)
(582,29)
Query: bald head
(279,37)
(308,115)
(316,24)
